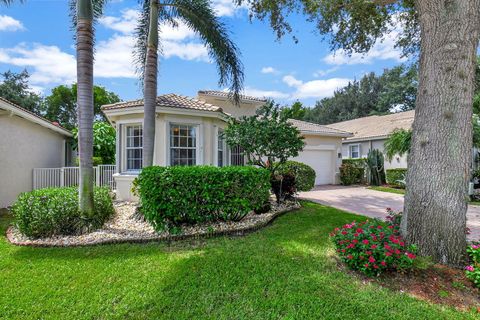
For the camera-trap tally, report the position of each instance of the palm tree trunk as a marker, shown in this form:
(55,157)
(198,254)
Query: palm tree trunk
(150,86)
(85,104)
(439,161)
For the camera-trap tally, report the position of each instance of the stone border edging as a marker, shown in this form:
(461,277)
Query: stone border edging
(234,233)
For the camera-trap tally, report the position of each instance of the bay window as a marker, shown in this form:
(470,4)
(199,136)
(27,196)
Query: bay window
(183,145)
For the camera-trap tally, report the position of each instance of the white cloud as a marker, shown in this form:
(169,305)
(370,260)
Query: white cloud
(226,7)
(322,73)
(291,81)
(273,94)
(383,49)
(8,23)
(114,57)
(269,70)
(314,88)
(125,24)
(48,64)
(176,41)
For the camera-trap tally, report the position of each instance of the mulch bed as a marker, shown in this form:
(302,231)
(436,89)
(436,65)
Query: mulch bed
(128,226)
(437,284)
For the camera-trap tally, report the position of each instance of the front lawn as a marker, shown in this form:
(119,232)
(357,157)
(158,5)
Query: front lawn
(387,189)
(286,270)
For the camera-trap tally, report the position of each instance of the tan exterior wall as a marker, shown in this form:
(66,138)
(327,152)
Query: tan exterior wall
(25,145)
(207,141)
(365,146)
(244,109)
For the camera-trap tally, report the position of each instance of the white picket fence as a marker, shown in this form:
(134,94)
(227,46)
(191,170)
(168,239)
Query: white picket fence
(70,176)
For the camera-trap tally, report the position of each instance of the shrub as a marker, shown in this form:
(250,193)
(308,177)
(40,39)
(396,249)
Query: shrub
(283,186)
(351,174)
(54,211)
(373,247)
(304,174)
(360,163)
(96,161)
(396,175)
(170,196)
(473,271)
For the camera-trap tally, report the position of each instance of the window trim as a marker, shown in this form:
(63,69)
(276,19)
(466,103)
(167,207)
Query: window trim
(198,148)
(224,149)
(124,146)
(350,150)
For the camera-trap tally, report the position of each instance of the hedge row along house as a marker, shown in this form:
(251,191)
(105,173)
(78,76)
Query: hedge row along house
(188,132)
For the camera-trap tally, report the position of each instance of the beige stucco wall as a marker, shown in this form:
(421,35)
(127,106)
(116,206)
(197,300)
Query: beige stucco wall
(207,138)
(244,109)
(366,146)
(25,145)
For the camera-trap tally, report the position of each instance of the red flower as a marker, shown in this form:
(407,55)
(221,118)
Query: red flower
(365,241)
(374,246)
(360,230)
(388,254)
(366,265)
(344,232)
(355,241)
(375,266)
(368,252)
(371,259)
(350,257)
(355,234)
(379,227)
(383,263)
(411,255)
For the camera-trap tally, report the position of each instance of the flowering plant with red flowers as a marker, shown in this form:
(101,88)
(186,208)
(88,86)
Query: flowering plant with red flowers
(473,270)
(373,247)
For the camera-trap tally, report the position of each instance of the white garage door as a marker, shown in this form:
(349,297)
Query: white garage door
(321,162)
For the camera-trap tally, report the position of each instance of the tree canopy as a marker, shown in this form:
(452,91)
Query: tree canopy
(61,104)
(267,138)
(15,88)
(394,90)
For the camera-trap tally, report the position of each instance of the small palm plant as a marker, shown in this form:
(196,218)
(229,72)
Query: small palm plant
(199,16)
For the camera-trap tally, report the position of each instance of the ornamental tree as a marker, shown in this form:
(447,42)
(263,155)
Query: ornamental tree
(445,34)
(103,141)
(268,140)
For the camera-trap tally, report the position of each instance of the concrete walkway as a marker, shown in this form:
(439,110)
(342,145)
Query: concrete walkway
(373,203)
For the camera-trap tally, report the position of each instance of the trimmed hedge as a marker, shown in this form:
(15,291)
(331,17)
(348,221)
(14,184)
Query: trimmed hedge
(54,211)
(351,174)
(360,163)
(393,175)
(171,196)
(304,174)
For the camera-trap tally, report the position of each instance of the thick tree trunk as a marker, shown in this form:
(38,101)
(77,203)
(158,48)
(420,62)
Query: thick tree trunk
(439,161)
(85,104)
(150,87)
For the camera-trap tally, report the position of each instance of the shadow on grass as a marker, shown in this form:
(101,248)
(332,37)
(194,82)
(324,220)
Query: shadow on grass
(283,271)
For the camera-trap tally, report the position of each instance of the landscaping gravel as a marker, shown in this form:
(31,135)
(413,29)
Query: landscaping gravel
(127,226)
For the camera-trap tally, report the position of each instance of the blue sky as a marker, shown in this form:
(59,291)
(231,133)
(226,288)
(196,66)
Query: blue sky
(36,35)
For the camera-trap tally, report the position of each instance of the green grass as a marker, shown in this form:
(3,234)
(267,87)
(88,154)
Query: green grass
(285,271)
(387,189)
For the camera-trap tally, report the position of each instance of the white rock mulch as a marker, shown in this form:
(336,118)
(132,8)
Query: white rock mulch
(126,226)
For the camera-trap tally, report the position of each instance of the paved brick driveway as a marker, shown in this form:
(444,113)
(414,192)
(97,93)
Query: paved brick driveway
(372,203)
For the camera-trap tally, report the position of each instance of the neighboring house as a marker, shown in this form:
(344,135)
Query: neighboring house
(188,132)
(27,141)
(371,133)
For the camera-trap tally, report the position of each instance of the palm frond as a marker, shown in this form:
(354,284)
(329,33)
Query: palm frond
(199,16)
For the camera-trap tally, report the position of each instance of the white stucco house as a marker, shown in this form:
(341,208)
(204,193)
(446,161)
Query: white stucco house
(188,133)
(371,133)
(27,141)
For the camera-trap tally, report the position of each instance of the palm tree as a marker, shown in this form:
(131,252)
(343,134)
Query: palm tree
(200,17)
(84,12)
